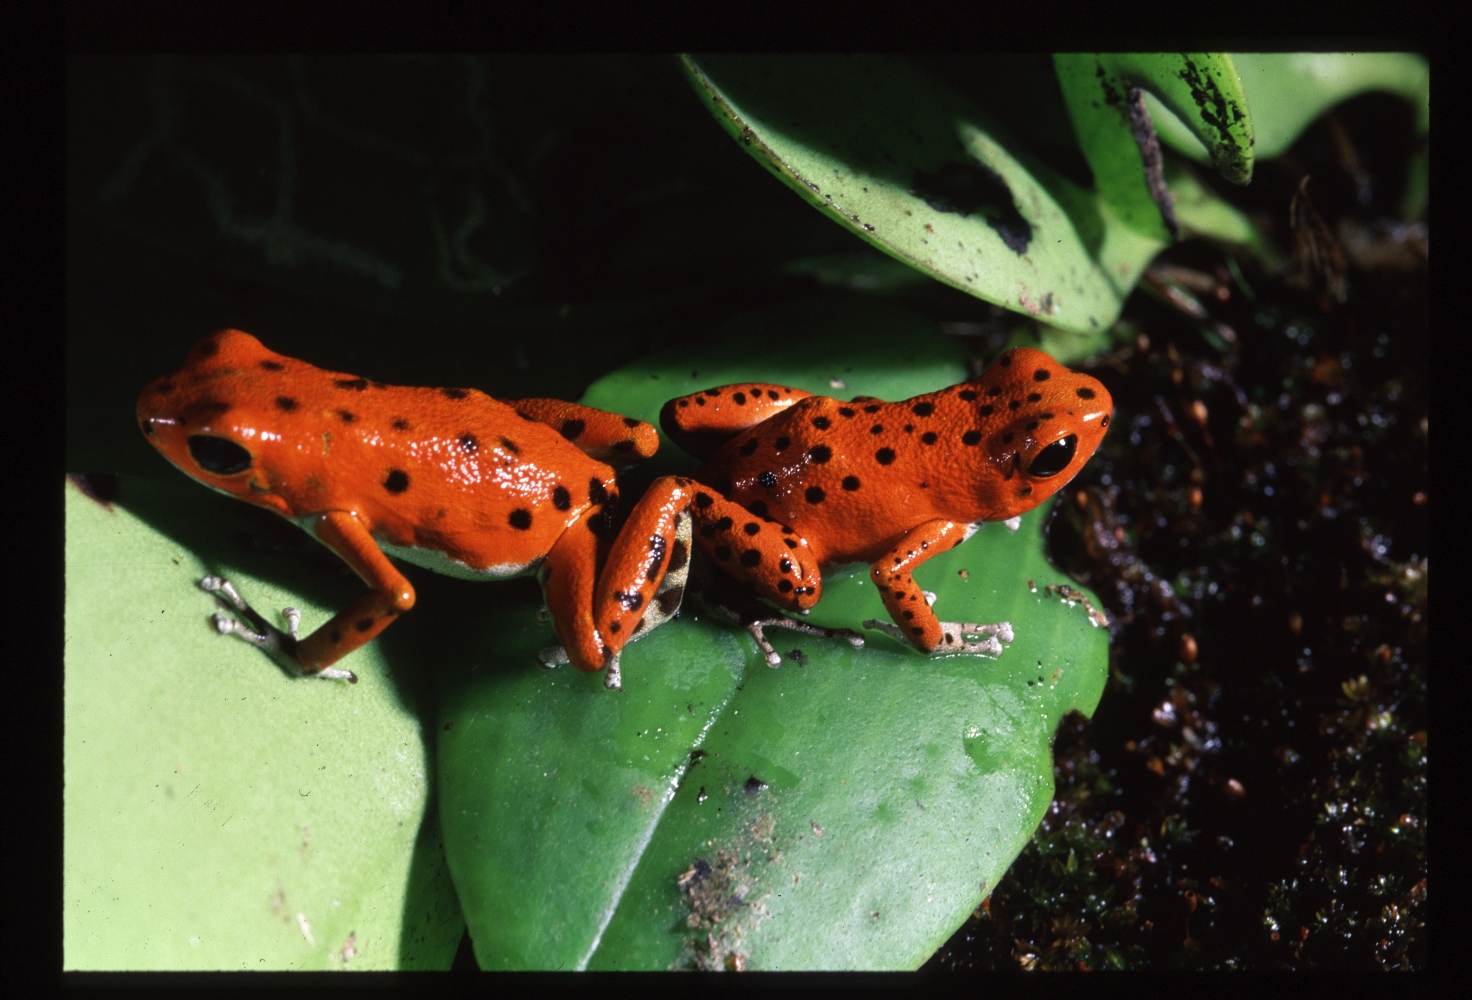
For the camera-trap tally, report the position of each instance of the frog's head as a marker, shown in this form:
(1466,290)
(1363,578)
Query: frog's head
(1037,424)
(224,418)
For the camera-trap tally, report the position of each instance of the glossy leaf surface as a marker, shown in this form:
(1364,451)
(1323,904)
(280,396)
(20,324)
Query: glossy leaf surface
(219,814)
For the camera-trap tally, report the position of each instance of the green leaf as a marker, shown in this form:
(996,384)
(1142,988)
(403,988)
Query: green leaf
(910,166)
(861,806)
(1287,91)
(1202,89)
(218,814)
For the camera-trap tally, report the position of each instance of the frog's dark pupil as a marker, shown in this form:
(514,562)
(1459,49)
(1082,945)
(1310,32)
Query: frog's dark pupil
(1054,458)
(223,458)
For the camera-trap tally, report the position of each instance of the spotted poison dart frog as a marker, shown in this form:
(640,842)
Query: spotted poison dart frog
(449,479)
(791,483)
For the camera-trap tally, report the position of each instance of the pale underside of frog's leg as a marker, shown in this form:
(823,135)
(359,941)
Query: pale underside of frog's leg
(280,646)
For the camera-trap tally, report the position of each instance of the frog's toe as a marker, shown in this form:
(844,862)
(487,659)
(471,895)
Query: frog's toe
(553,657)
(225,625)
(988,641)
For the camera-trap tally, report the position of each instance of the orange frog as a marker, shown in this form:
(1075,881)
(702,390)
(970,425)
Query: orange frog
(791,483)
(449,479)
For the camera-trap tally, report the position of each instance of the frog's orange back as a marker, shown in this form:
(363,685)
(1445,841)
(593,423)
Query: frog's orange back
(431,468)
(853,477)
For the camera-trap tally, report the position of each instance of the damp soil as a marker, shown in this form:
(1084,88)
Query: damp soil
(1251,792)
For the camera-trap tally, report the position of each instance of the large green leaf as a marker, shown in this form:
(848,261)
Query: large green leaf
(922,173)
(859,806)
(928,177)
(219,814)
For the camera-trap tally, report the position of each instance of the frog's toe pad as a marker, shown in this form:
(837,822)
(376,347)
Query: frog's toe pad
(225,625)
(553,657)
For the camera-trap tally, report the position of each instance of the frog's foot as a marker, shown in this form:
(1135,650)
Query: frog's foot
(774,659)
(953,636)
(280,646)
(555,656)
(543,617)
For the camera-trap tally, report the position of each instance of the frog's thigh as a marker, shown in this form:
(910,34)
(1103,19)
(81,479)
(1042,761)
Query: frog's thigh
(770,556)
(568,576)
(703,421)
(608,437)
(903,598)
(649,547)
(732,407)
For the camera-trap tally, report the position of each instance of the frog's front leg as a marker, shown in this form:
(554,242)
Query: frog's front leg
(608,437)
(909,606)
(280,646)
(389,596)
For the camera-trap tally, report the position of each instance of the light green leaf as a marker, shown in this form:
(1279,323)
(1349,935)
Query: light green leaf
(910,166)
(1287,91)
(1202,89)
(218,814)
(860,806)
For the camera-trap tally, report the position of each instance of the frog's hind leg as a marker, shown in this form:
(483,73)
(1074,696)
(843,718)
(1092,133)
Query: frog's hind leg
(909,606)
(643,580)
(772,558)
(703,421)
(607,437)
(567,576)
(665,603)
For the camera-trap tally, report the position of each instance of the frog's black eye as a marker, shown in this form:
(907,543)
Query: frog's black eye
(223,458)
(1054,458)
